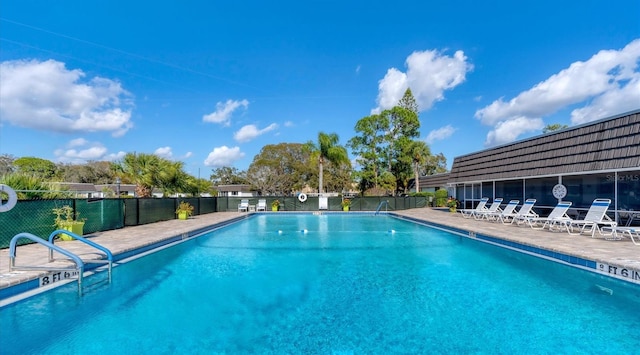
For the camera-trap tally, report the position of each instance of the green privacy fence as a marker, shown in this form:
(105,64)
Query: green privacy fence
(292,203)
(37,217)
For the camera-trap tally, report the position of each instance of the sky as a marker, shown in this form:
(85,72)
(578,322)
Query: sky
(210,83)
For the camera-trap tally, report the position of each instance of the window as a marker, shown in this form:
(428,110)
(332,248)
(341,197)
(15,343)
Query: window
(509,190)
(628,189)
(540,189)
(583,189)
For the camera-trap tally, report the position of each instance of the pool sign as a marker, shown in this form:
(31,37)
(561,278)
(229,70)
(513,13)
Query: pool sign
(619,272)
(56,276)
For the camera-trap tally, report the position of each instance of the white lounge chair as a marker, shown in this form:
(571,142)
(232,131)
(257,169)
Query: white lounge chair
(557,219)
(526,211)
(262,205)
(468,213)
(596,217)
(624,232)
(243,206)
(507,213)
(495,207)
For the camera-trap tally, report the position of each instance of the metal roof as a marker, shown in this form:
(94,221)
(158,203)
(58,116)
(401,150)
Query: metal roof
(607,144)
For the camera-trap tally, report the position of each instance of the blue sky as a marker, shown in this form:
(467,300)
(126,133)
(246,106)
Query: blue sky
(210,83)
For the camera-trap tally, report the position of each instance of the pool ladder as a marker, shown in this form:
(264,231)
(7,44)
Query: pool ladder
(385,202)
(79,266)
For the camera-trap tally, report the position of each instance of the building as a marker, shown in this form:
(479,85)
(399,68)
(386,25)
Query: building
(236,190)
(599,159)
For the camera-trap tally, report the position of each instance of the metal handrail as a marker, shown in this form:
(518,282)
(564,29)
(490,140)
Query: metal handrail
(380,206)
(12,256)
(107,252)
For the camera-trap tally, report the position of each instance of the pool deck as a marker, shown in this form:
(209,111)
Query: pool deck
(615,254)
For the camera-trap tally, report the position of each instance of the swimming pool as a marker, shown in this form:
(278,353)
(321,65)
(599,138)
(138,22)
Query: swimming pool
(332,284)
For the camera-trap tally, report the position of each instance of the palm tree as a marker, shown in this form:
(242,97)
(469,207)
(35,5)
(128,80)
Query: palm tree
(142,170)
(420,153)
(327,149)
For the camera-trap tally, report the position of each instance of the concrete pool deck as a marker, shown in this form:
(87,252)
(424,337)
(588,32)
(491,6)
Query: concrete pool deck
(619,254)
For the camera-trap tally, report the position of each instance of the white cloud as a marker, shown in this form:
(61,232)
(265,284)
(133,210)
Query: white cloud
(79,151)
(608,83)
(358,69)
(508,131)
(289,124)
(224,110)
(429,74)
(164,152)
(615,101)
(49,97)
(223,156)
(250,132)
(114,156)
(440,134)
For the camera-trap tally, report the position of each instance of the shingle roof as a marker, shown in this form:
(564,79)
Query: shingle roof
(607,144)
(431,181)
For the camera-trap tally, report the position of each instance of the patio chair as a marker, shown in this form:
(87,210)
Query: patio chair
(468,213)
(523,213)
(624,232)
(508,212)
(596,217)
(262,205)
(243,206)
(494,208)
(556,219)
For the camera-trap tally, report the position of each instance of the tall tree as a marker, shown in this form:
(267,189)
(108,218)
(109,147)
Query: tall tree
(228,176)
(404,127)
(408,102)
(420,154)
(279,169)
(327,149)
(367,147)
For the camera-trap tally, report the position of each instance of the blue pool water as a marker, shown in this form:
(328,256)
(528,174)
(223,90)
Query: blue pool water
(331,284)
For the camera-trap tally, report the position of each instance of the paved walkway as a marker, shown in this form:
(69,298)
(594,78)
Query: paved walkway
(621,254)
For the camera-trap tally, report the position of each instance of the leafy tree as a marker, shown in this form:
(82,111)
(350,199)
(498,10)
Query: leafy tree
(228,176)
(554,127)
(367,147)
(93,172)
(388,182)
(37,167)
(436,164)
(327,150)
(408,102)
(197,187)
(280,169)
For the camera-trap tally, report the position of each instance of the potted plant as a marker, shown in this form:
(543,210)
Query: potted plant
(452,203)
(185,210)
(275,205)
(346,204)
(65,220)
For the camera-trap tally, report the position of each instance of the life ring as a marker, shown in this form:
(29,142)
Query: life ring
(11,202)
(302,197)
